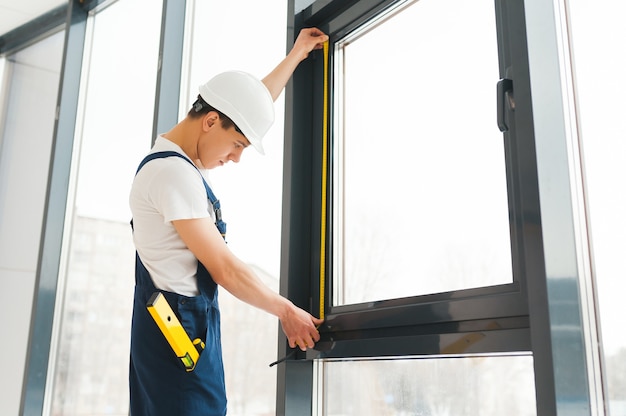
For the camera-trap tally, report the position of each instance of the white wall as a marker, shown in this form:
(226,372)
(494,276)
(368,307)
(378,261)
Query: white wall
(24,159)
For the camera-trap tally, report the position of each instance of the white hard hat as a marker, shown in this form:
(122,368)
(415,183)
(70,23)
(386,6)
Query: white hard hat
(245,100)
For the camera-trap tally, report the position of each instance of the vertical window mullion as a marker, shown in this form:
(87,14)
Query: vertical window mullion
(54,215)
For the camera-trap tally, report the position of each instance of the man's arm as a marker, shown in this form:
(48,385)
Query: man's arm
(308,40)
(204,240)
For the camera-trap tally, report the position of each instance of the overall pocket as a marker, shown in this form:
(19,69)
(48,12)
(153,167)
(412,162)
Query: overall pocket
(193,315)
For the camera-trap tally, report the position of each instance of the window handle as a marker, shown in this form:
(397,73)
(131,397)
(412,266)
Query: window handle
(506,102)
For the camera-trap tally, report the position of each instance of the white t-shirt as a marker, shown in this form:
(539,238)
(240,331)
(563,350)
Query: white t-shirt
(167,189)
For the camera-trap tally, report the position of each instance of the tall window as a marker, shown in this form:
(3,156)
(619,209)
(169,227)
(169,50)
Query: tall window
(91,372)
(428,219)
(420,203)
(596,38)
(420,179)
(28,76)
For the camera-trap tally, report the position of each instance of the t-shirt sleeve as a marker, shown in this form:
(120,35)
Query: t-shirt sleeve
(178,192)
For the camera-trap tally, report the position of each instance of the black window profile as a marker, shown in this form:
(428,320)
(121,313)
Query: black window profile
(432,323)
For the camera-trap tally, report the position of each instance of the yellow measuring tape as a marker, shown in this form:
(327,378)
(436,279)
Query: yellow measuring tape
(324,185)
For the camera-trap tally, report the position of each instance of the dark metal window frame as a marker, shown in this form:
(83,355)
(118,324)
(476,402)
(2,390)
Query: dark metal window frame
(509,318)
(46,24)
(429,314)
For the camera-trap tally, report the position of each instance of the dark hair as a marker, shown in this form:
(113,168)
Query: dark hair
(200,108)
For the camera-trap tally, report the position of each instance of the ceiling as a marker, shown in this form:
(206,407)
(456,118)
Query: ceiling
(14,13)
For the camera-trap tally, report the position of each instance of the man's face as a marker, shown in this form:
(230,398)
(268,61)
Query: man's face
(217,145)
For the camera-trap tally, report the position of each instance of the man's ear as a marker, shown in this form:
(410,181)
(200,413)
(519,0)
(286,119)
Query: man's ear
(209,120)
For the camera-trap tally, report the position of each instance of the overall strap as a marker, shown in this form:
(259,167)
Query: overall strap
(215,203)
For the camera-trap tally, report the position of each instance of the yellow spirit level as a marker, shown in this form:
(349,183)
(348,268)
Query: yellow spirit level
(186,350)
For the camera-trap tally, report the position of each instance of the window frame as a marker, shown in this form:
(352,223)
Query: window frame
(531,39)
(353,328)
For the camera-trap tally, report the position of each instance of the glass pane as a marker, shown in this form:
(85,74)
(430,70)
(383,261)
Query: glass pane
(26,132)
(420,183)
(91,374)
(466,386)
(253,185)
(32,77)
(3,64)
(597,40)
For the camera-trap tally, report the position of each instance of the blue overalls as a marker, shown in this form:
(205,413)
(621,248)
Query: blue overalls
(159,383)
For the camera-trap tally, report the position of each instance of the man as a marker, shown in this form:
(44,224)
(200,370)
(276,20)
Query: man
(179,237)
